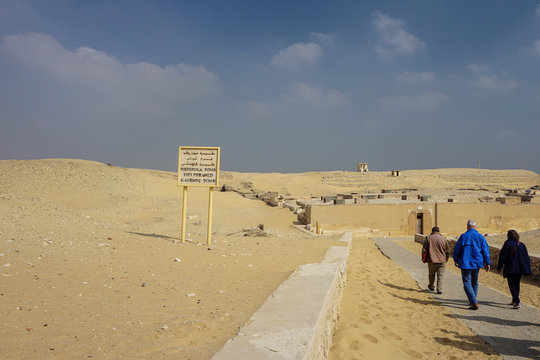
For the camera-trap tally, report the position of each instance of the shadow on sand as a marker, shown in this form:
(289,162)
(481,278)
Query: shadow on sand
(507,347)
(397,287)
(158,236)
(464,342)
(494,320)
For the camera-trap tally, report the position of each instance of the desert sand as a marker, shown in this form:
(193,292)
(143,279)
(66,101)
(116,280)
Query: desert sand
(385,315)
(92,267)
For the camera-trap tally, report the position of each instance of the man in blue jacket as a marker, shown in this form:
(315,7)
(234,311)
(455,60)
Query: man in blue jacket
(470,254)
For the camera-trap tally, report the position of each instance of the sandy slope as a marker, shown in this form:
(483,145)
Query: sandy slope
(91,266)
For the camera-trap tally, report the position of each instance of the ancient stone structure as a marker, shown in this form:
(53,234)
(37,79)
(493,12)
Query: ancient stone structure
(363,167)
(410,217)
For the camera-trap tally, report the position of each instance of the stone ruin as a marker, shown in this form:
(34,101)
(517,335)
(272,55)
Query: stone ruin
(362,167)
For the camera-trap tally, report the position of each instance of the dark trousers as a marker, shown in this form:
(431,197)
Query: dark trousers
(513,285)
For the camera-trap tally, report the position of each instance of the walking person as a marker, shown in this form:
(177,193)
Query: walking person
(470,254)
(435,252)
(515,262)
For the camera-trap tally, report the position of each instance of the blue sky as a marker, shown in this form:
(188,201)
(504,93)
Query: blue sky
(280,86)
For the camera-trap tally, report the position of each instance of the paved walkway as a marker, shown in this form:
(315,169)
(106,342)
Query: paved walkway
(515,334)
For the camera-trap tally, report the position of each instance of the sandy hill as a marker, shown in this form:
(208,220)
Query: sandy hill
(91,264)
(327,183)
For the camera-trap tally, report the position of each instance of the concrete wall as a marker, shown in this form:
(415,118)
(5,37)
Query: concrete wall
(398,218)
(297,321)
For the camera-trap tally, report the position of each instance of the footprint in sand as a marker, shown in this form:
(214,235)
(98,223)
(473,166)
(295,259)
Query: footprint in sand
(414,354)
(370,338)
(364,320)
(354,345)
(392,335)
(386,333)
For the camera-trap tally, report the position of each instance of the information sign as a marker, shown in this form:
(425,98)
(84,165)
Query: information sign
(198,166)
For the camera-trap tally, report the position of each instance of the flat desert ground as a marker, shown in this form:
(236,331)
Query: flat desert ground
(92,265)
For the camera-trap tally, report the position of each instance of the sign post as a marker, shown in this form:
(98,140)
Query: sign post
(198,166)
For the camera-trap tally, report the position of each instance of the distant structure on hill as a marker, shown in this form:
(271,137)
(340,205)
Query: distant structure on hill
(411,211)
(362,167)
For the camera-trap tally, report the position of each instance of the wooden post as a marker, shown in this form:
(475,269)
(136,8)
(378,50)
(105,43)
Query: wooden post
(184,207)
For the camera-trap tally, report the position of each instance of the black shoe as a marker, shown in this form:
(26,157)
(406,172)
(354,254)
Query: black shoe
(430,288)
(439,292)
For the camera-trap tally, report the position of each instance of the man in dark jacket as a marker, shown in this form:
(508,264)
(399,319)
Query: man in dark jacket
(516,262)
(437,252)
(470,254)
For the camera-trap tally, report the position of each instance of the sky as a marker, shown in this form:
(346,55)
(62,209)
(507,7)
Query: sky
(279,86)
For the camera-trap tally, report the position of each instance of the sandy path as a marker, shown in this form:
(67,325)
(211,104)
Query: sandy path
(386,316)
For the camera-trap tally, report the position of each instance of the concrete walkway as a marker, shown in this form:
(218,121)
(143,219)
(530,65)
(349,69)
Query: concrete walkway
(515,334)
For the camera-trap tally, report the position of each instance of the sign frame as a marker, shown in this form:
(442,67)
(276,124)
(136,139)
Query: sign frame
(197,171)
(200,164)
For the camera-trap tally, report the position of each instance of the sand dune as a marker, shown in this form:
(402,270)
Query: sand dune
(91,263)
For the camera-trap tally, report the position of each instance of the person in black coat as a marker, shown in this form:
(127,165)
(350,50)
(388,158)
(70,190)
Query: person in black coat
(515,260)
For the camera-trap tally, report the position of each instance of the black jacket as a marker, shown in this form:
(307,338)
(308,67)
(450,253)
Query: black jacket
(515,260)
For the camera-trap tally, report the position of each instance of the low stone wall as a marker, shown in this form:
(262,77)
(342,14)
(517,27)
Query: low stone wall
(297,321)
(494,252)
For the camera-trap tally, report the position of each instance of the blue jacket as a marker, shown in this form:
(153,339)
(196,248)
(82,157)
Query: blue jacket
(514,263)
(471,250)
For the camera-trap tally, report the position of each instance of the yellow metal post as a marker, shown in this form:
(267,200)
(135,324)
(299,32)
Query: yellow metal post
(210,202)
(184,206)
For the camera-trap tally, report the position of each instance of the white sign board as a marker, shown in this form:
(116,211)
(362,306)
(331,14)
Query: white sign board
(198,166)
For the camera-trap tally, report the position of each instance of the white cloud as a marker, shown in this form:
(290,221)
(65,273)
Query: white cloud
(535,47)
(412,77)
(483,79)
(394,38)
(426,101)
(95,70)
(495,82)
(325,39)
(477,68)
(20,12)
(305,94)
(297,54)
(257,110)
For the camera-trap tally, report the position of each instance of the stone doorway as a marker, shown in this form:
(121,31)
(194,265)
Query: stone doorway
(420,223)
